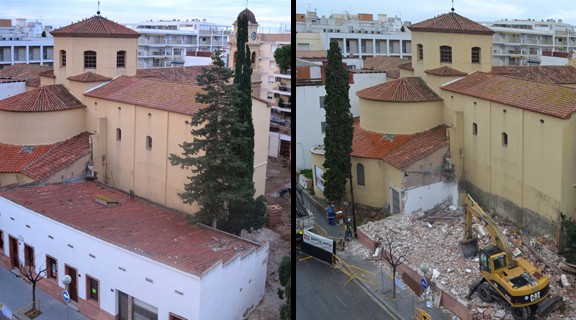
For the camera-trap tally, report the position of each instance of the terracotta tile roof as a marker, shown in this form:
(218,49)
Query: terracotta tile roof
(96,26)
(42,99)
(39,162)
(386,64)
(136,225)
(406,66)
(451,23)
(151,93)
(408,89)
(173,74)
(48,73)
(27,72)
(372,145)
(446,71)
(89,77)
(553,100)
(545,74)
(60,156)
(418,147)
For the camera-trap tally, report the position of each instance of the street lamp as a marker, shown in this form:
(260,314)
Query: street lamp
(66,280)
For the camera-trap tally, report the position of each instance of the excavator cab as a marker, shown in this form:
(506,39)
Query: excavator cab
(492,259)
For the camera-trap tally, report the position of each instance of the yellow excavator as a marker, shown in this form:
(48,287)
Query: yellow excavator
(515,280)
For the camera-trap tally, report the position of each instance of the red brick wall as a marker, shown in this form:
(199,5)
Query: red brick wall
(456,307)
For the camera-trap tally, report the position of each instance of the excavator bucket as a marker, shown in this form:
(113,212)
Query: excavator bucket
(469,248)
(548,305)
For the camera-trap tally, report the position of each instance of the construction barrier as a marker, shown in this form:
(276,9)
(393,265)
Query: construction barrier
(318,246)
(354,272)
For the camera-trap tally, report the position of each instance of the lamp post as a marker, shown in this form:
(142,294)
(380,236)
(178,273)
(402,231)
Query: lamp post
(66,280)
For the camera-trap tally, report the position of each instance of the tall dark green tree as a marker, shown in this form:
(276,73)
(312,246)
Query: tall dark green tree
(283,57)
(214,183)
(339,130)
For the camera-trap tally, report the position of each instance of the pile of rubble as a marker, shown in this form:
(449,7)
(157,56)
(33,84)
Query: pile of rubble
(433,238)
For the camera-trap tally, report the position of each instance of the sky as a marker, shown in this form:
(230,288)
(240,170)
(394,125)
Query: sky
(477,10)
(270,14)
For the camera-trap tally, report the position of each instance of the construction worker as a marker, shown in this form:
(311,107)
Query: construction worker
(331,214)
(348,224)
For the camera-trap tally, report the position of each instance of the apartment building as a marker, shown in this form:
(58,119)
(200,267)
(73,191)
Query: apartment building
(166,43)
(524,42)
(22,42)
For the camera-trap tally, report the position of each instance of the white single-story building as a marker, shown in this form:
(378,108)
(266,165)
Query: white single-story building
(129,258)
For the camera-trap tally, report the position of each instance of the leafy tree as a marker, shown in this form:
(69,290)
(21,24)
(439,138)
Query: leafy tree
(283,57)
(284,275)
(339,130)
(214,183)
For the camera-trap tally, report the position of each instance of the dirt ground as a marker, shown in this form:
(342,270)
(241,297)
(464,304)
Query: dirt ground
(278,178)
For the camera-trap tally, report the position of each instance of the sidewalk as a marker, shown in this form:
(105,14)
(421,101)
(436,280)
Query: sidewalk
(16,294)
(406,300)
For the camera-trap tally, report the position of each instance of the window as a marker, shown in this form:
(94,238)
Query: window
(28,255)
(446,54)
(499,262)
(504,139)
(120,59)
(476,55)
(323,126)
(62,58)
(322,101)
(271,79)
(149,142)
(270,95)
(474,129)
(420,52)
(51,267)
(360,174)
(272,64)
(92,286)
(175,317)
(89,59)
(253,57)
(1,240)
(118,134)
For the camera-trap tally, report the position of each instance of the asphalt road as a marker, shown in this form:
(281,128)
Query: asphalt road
(325,293)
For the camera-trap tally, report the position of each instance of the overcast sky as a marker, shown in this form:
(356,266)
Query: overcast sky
(59,13)
(477,10)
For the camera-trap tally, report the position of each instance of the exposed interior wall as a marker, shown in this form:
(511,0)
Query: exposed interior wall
(428,196)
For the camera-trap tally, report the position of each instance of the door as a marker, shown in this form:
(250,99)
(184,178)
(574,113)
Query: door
(285,148)
(73,287)
(14,259)
(395,201)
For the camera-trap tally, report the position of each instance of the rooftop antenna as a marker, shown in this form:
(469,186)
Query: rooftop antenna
(452,5)
(246,4)
(98,12)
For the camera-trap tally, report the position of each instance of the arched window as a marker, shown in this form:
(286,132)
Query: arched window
(504,139)
(118,134)
(445,54)
(420,52)
(360,174)
(474,129)
(62,58)
(89,59)
(120,59)
(476,55)
(149,142)
(253,57)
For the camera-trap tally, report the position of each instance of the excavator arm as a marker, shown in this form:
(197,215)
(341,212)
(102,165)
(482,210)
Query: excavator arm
(473,209)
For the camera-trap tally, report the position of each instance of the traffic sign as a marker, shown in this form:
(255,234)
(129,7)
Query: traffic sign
(66,295)
(424,283)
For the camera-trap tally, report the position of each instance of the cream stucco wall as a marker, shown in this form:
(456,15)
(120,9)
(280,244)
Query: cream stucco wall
(379,177)
(461,44)
(308,41)
(261,119)
(399,118)
(38,128)
(7,179)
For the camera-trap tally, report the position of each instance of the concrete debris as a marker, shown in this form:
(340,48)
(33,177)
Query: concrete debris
(564,281)
(433,239)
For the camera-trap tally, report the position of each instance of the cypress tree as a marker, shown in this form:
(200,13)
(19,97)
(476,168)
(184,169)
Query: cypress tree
(214,183)
(339,130)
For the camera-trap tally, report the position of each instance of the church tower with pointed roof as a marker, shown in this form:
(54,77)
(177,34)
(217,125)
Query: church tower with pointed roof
(94,50)
(254,42)
(450,45)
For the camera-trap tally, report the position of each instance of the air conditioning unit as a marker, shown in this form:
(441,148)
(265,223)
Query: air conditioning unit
(90,173)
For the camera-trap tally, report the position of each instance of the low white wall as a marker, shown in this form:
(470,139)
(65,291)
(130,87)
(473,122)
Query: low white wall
(427,197)
(9,89)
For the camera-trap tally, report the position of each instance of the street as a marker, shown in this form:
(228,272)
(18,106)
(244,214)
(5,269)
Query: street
(325,293)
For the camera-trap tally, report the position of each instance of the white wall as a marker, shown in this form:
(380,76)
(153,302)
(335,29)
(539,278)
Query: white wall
(9,89)
(427,197)
(108,258)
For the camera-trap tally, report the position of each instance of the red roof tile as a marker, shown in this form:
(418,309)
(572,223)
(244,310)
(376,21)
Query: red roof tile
(135,224)
(96,26)
(59,156)
(48,73)
(89,77)
(545,74)
(409,89)
(406,66)
(28,72)
(418,147)
(42,99)
(372,145)
(553,100)
(451,23)
(386,64)
(151,93)
(13,159)
(173,74)
(445,71)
